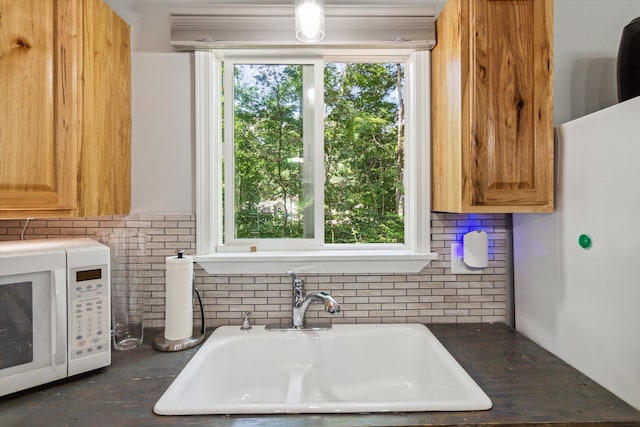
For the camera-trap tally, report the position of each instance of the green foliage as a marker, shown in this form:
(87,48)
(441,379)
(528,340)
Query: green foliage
(268,132)
(252,223)
(361,152)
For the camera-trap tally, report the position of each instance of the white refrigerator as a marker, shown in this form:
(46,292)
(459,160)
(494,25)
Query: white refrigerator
(577,270)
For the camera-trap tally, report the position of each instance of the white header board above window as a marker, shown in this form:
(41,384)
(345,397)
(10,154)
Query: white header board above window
(261,26)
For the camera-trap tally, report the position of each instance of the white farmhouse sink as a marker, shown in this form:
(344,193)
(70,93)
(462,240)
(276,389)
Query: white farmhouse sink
(349,368)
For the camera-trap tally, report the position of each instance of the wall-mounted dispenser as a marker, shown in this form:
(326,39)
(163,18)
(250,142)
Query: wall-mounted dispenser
(472,255)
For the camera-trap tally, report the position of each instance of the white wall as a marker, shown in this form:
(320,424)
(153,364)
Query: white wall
(587,35)
(162,152)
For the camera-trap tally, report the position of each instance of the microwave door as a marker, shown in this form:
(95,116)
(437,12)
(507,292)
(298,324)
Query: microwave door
(32,322)
(16,324)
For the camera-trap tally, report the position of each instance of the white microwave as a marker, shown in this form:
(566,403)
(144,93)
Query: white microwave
(54,310)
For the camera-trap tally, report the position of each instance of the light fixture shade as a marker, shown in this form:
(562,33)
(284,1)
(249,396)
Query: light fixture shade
(309,20)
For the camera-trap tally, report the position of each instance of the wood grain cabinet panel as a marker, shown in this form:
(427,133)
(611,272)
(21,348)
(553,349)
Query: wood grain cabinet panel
(38,107)
(492,107)
(105,163)
(64,127)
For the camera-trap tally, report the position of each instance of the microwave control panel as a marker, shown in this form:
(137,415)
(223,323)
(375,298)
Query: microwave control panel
(89,326)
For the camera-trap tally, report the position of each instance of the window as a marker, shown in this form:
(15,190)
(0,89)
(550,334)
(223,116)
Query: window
(325,161)
(272,153)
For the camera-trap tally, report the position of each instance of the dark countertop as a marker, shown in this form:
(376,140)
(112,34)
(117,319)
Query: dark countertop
(527,385)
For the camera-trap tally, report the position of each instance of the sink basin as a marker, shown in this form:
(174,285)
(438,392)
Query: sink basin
(349,368)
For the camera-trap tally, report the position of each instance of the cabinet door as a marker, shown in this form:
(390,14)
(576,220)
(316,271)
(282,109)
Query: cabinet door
(105,165)
(511,147)
(38,107)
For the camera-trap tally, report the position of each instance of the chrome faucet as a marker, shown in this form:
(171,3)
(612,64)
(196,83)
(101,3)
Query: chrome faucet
(301,301)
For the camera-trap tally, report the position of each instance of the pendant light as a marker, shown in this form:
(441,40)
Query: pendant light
(309,20)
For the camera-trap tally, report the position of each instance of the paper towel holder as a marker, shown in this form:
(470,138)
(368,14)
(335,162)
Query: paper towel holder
(160,343)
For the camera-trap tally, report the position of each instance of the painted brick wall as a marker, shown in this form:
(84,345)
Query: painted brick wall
(434,295)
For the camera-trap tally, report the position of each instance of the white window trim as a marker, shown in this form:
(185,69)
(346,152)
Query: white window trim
(410,257)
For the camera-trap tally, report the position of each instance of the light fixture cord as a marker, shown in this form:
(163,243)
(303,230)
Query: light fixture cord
(26,225)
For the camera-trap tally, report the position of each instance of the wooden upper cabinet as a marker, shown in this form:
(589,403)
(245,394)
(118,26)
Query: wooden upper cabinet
(105,162)
(492,107)
(38,107)
(64,109)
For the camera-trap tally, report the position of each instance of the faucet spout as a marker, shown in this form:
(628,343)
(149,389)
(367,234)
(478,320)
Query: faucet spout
(330,304)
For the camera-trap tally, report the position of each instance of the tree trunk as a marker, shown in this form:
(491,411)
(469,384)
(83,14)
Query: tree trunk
(329,152)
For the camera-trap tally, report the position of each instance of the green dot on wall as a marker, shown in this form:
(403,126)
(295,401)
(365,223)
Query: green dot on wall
(585,241)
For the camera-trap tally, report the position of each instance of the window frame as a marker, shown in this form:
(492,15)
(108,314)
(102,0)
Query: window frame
(410,257)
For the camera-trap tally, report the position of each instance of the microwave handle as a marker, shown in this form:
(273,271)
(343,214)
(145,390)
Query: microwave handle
(58,328)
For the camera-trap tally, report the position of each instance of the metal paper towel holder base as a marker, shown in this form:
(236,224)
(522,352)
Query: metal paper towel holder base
(160,343)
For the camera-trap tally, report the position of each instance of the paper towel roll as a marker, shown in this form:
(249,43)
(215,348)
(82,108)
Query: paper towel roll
(178,319)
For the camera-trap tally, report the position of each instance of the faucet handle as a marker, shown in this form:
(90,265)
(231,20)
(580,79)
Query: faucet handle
(294,276)
(298,288)
(297,282)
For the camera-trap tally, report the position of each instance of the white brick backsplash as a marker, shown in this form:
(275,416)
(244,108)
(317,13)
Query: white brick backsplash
(433,296)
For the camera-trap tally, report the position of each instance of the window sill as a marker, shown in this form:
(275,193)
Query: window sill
(338,261)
